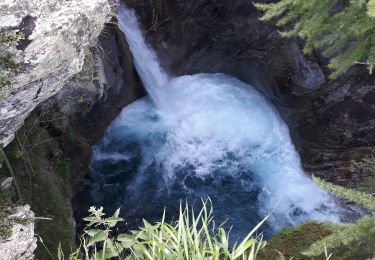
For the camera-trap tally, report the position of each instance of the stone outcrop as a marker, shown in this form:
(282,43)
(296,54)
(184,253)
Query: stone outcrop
(67,71)
(62,129)
(331,121)
(57,35)
(22,243)
(80,113)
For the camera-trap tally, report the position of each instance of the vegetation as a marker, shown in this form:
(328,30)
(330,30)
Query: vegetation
(8,65)
(353,235)
(7,203)
(44,180)
(344,30)
(6,197)
(190,237)
(291,242)
(89,71)
(365,165)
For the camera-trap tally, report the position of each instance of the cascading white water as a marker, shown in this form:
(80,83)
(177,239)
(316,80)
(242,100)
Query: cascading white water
(152,74)
(224,141)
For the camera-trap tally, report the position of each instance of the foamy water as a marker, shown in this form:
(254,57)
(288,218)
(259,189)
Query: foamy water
(204,135)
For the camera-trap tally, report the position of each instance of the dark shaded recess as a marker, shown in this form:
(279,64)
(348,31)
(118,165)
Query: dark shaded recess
(123,88)
(26,27)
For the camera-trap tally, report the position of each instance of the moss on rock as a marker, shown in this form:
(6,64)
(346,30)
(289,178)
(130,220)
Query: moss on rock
(290,242)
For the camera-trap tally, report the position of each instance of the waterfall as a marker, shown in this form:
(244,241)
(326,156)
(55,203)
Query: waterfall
(153,77)
(225,141)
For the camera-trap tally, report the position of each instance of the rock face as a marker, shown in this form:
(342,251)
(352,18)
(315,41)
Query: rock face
(58,33)
(22,243)
(331,122)
(80,113)
(60,132)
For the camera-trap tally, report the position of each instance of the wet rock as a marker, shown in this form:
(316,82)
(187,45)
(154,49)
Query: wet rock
(308,75)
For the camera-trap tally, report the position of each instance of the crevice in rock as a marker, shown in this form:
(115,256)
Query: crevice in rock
(26,27)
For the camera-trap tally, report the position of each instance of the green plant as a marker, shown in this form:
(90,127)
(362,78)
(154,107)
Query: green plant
(7,206)
(365,165)
(291,242)
(190,237)
(8,65)
(350,235)
(85,78)
(345,30)
(64,168)
(6,196)
(5,226)
(42,183)
(11,38)
(88,72)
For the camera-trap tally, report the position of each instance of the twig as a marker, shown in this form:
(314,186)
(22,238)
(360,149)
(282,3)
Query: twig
(156,25)
(39,134)
(40,143)
(42,218)
(45,247)
(32,127)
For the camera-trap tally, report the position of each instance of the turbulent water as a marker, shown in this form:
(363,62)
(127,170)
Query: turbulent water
(204,135)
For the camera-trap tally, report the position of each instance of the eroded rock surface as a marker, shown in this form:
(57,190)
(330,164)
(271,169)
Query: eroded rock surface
(58,33)
(22,243)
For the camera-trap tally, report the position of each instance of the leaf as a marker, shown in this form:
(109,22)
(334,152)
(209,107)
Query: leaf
(249,243)
(75,255)
(107,254)
(371,8)
(117,213)
(346,235)
(92,232)
(89,219)
(110,250)
(358,197)
(60,253)
(125,237)
(98,237)
(112,221)
(126,240)
(18,154)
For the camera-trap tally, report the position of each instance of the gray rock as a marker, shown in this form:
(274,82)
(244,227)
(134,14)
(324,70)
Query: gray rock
(22,243)
(308,75)
(58,32)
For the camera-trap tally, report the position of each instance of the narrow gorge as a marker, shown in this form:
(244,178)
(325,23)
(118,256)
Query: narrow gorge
(201,136)
(144,105)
